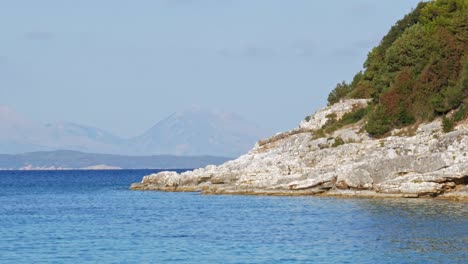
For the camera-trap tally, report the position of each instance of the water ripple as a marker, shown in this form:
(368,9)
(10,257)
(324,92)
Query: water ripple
(90,217)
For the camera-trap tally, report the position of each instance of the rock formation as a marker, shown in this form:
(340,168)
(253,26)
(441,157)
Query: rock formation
(419,161)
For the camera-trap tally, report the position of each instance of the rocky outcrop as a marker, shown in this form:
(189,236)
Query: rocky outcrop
(414,162)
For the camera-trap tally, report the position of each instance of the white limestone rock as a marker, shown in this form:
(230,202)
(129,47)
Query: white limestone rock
(429,163)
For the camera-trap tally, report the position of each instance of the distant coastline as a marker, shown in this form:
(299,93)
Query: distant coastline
(52,168)
(75,160)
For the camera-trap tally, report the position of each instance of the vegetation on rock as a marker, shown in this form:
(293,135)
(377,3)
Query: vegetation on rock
(338,142)
(334,124)
(418,72)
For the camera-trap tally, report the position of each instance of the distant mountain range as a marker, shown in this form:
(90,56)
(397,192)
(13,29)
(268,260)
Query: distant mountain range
(199,131)
(192,132)
(66,159)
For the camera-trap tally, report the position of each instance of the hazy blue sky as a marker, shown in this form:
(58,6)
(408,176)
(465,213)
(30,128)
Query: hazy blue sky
(123,65)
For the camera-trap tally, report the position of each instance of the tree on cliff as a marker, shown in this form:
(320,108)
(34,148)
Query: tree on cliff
(418,72)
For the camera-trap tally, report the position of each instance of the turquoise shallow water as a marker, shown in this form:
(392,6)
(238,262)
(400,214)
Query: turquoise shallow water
(91,217)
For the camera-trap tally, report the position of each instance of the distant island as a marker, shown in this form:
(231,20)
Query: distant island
(399,129)
(67,159)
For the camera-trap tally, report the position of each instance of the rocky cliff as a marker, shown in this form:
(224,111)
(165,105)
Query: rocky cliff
(419,161)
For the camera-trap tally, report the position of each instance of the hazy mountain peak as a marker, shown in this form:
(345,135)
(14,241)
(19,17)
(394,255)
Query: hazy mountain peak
(197,110)
(198,131)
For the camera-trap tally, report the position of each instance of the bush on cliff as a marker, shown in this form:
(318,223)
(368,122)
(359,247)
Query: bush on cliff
(419,70)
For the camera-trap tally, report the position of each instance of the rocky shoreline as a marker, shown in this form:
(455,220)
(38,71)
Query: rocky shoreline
(418,161)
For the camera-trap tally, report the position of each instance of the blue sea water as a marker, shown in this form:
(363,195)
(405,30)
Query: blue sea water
(92,217)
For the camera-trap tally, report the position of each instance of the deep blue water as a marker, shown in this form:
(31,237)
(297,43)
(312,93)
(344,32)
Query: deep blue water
(91,217)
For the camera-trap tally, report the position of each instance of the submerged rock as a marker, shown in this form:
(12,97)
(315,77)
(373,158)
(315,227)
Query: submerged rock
(426,163)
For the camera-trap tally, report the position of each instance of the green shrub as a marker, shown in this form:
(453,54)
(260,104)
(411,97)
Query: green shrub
(338,142)
(341,90)
(460,114)
(453,96)
(404,118)
(318,134)
(438,104)
(333,124)
(450,98)
(353,117)
(447,124)
(378,122)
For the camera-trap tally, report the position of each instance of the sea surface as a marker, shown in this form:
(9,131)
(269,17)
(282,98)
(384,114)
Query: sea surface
(92,217)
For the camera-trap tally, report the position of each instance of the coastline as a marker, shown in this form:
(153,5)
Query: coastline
(422,162)
(366,194)
(31,168)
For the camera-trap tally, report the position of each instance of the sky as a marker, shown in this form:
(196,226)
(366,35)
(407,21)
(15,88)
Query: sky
(124,65)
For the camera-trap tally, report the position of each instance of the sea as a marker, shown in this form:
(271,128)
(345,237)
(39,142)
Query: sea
(92,217)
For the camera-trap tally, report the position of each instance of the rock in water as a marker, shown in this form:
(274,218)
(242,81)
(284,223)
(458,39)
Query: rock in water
(348,162)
